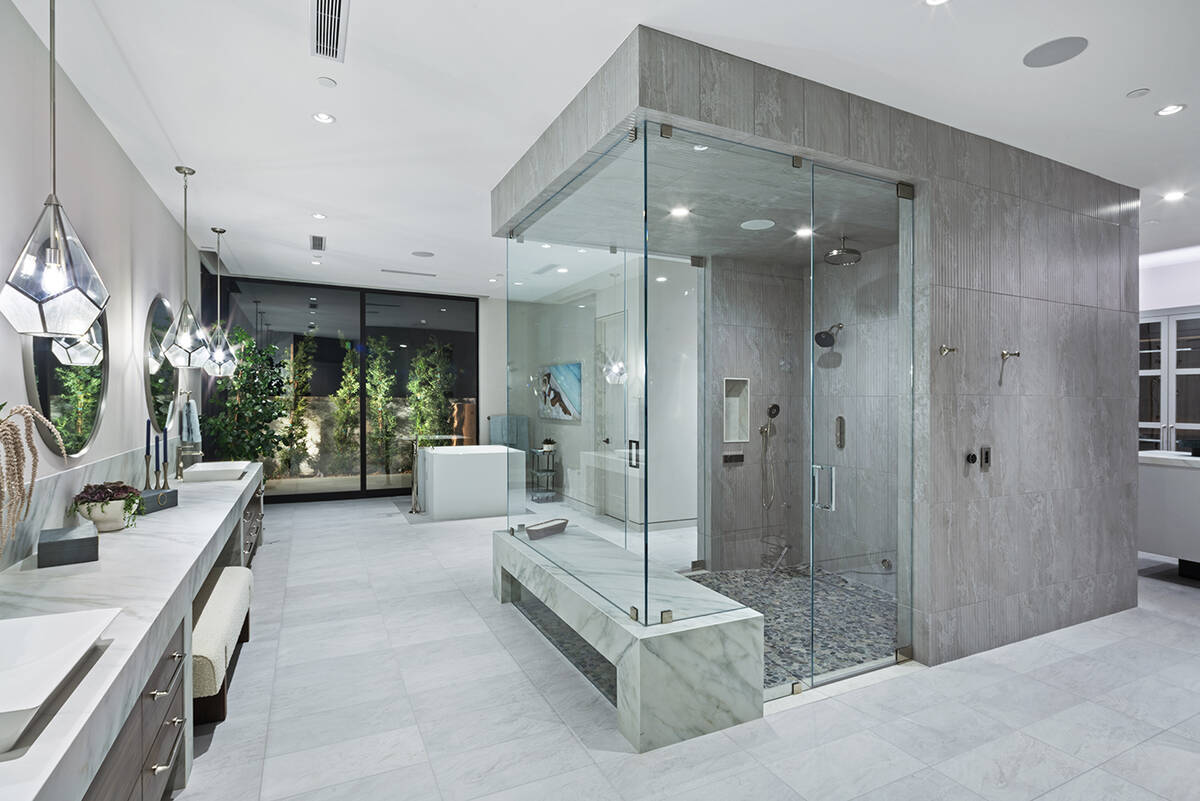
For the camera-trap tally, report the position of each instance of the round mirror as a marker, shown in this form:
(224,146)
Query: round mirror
(160,374)
(66,380)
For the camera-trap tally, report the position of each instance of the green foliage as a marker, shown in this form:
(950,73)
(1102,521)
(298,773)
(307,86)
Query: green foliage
(383,422)
(78,401)
(430,382)
(241,428)
(298,373)
(343,456)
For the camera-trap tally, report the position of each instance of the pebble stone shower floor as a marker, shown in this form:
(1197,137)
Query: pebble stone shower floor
(855,623)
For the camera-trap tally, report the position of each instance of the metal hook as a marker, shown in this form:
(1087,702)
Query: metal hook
(1005,355)
(944,349)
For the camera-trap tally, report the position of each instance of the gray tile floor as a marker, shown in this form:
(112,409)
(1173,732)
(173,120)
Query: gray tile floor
(380,667)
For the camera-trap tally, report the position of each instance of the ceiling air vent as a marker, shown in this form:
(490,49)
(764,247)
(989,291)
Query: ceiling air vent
(317,243)
(329,28)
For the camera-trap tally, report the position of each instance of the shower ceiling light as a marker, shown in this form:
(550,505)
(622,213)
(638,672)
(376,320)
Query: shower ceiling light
(318,215)
(315,263)
(936,2)
(758,225)
(323,118)
(53,289)
(545,244)
(804,233)
(561,270)
(1174,108)
(185,343)
(680,211)
(518,283)
(1174,196)
(662,279)
(491,280)
(699,148)
(582,250)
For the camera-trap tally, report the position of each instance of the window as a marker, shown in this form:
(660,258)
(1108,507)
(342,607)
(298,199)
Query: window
(1169,382)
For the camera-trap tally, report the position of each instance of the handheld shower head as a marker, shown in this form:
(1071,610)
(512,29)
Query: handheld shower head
(826,339)
(773,411)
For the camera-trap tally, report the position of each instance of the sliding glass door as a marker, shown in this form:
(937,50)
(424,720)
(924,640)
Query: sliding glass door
(361,374)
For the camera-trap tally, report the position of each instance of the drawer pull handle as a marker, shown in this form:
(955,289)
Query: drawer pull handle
(165,766)
(156,694)
(176,721)
(177,655)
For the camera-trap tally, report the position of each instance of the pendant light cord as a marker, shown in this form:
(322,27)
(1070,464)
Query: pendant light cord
(53,114)
(218,281)
(185,248)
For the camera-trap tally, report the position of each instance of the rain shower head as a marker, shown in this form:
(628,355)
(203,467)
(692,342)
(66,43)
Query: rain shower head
(843,256)
(826,338)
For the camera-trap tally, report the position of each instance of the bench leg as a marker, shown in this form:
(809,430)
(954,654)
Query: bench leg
(213,708)
(245,635)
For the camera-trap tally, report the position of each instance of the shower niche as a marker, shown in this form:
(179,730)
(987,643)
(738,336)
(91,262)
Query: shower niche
(737,410)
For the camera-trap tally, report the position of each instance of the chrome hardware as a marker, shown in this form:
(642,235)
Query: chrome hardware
(176,655)
(944,349)
(666,616)
(839,433)
(156,694)
(816,487)
(1005,355)
(176,721)
(633,613)
(165,766)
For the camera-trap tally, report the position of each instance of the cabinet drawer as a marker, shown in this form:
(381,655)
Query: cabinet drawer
(164,753)
(120,769)
(172,657)
(156,701)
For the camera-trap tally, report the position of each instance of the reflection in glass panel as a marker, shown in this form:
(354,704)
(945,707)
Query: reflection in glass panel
(1149,439)
(69,395)
(1187,399)
(1150,346)
(1188,441)
(1187,343)
(422,359)
(1150,398)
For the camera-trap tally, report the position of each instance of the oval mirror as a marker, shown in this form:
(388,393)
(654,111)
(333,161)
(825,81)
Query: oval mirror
(160,374)
(66,380)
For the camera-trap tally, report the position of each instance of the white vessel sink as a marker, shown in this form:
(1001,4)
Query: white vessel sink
(38,653)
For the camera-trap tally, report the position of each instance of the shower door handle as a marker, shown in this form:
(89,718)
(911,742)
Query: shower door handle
(817,469)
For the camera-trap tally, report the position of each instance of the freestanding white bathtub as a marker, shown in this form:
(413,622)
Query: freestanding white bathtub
(467,481)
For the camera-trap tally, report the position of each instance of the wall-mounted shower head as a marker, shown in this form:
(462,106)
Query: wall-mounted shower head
(826,338)
(773,411)
(843,256)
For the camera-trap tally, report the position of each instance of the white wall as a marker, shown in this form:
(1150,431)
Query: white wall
(132,238)
(1169,280)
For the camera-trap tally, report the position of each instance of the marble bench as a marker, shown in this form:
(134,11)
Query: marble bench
(675,680)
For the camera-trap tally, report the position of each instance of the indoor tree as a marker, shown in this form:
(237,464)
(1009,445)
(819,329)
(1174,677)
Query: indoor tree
(80,395)
(298,373)
(430,383)
(241,428)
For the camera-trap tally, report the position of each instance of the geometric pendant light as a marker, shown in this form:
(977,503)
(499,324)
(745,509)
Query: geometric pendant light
(185,343)
(53,289)
(87,351)
(221,361)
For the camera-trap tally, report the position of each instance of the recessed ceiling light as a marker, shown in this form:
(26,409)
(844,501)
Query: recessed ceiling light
(1136,93)
(423,254)
(1174,196)
(1055,52)
(315,263)
(326,82)
(323,118)
(545,244)
(561,270)
(680,211)
(491,280)
(582,250)
(936,2)
(518,283)
(312,311)
(312,300)
(804,233)
(758,225)
(582,306)
(699,148)
(403,345)
(422,322)
(662,279)
(318,215)
(1174,108)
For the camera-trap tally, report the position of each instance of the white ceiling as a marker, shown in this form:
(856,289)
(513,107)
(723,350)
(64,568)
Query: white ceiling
(437,99)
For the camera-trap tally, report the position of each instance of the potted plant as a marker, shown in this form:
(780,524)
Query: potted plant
(548,445)
(112,505)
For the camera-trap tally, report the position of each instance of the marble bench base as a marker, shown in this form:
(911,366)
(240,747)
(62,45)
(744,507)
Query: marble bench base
(675,680)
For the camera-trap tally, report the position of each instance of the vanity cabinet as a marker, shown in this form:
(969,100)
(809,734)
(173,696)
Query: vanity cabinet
(140,763)
(252,520)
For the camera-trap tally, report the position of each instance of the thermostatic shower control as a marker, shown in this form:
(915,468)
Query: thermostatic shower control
(972,458)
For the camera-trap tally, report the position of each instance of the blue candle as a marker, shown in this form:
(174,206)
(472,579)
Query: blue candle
(155,453)
(147,436)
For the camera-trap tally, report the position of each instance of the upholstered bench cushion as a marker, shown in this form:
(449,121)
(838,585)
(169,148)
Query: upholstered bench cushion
(215,634)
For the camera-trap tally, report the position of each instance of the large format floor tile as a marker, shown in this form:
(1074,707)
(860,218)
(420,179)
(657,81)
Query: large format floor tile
(380,667)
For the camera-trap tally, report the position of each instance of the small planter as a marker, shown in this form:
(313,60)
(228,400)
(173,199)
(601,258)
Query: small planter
(108,516)
(548,448)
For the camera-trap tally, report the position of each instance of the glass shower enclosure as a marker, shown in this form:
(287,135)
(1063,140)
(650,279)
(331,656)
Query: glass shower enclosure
(710,377)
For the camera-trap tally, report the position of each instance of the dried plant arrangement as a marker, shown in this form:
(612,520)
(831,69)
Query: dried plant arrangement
(17,445)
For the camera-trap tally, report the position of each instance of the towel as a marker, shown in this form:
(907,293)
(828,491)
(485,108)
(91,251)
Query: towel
(191,424)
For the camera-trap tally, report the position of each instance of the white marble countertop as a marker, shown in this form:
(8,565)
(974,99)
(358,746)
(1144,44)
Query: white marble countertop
(152,572)
(1169,459)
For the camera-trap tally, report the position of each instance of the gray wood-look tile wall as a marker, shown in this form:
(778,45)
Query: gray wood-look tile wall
(1012,251)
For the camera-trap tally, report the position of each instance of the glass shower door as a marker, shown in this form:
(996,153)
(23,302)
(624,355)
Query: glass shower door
(861,410)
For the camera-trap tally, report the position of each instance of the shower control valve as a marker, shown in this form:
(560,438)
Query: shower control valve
(972,458)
